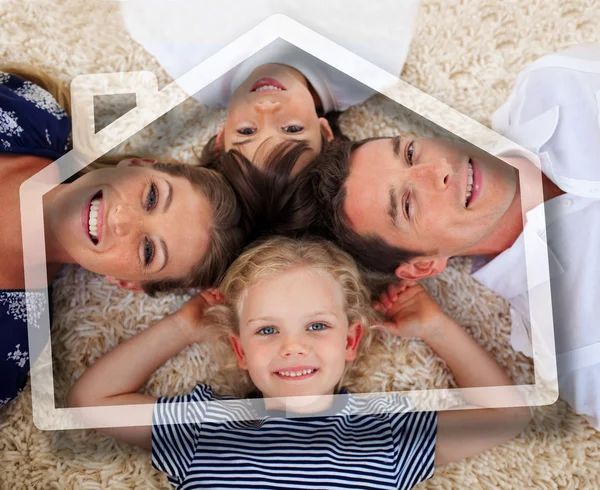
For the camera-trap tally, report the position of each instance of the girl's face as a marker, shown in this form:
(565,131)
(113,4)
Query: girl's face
(294,337)
(131,222)
(274,104)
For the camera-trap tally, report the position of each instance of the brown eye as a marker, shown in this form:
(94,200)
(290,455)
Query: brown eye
(246,131)
(409,153)
(293,129)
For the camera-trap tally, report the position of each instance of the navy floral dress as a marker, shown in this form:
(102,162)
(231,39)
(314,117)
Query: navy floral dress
(31,123)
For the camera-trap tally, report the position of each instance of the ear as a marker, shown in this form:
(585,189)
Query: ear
(136,162)
(219,141)
(130,285)
(326,129)
(421,267)
(355,333)
(239,351)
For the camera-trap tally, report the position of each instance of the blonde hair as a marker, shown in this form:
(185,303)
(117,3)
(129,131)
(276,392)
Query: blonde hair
(274,257)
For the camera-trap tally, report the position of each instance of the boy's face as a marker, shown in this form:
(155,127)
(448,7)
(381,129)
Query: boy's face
(275,105)
(294,337)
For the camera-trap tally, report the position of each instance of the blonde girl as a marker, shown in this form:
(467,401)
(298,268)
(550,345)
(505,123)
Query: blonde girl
(296,313)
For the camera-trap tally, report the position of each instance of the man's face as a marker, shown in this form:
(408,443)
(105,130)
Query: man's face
(427,195)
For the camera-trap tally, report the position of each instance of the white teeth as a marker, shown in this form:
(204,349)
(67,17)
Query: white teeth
(267,87)
(93,220)
(293,374)
(469,181)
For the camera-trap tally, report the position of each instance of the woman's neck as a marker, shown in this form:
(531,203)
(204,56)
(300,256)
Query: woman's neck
(14,170)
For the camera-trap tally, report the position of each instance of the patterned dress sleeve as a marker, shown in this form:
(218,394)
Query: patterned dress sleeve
(31,120)
(176,423)
(15,352)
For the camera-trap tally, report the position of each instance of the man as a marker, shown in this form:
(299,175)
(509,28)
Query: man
(406,206)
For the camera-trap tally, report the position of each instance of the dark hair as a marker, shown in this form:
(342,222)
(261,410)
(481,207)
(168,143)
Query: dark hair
(210,155)
(329,172)
(226,235)
(271,197)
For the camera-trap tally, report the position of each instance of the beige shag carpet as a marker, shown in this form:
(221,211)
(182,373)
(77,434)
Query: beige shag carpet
(467,54)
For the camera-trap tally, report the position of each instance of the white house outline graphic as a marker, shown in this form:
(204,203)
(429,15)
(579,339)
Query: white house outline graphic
(152,104)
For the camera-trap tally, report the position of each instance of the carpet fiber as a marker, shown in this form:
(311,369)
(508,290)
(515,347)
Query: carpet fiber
(466,54)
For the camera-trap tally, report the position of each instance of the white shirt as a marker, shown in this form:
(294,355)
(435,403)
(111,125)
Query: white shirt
(180,35)
(336,90)
(554,112)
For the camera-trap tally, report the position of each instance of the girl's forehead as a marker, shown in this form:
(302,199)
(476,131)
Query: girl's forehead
(306,288)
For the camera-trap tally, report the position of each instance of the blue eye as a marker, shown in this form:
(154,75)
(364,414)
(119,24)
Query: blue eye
(152,198)
(317,327)
(148,251)
(293,129)
(267,331)
(246,131)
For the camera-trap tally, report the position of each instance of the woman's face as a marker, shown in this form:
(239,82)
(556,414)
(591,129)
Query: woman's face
(274,104)
(132,222)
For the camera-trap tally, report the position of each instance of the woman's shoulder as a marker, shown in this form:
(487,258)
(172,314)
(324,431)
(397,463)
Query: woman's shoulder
(31,120)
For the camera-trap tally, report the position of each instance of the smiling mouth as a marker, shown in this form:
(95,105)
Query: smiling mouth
(93,218)
(267,85)
(469,183)
(296,374)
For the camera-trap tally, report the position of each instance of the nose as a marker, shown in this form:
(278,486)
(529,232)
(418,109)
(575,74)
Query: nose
(123,220)
(266,106)
(435,174)
(293,346)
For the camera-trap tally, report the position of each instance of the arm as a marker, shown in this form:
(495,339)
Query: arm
(116,377)
(461,433)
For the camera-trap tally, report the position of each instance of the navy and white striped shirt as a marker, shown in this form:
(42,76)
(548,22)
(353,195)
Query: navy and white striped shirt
(237,444)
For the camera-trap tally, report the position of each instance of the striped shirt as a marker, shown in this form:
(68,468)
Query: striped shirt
(203,440)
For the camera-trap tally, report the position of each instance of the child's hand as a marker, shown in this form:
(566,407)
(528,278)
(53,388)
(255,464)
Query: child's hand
(387,297)
(191,315)
(413,313)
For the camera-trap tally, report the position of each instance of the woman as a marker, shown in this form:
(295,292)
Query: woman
(146,226)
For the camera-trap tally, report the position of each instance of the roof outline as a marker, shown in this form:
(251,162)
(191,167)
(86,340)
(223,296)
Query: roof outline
(152,104)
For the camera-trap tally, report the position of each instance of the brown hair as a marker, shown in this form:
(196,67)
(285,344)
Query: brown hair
(329,173)
(210,154)
(276,256)
(270,196)
(227,238)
